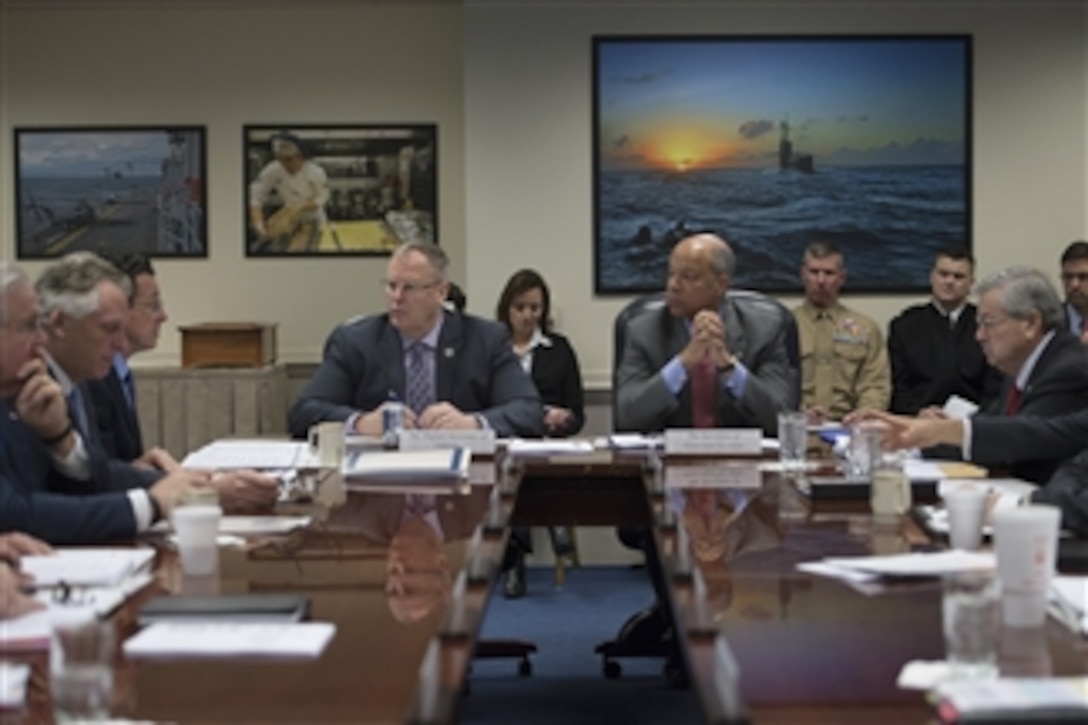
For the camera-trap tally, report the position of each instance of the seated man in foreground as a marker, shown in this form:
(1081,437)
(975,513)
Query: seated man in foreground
(701,349)
(450,370)
(55,484)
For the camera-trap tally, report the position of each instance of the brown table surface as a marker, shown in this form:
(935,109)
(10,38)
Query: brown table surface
(808,649)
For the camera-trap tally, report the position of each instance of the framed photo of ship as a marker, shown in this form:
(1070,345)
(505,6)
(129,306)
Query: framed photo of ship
(339,190)
(774,142)
(111,189)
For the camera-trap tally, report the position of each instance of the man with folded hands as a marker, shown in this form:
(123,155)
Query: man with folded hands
(702,351)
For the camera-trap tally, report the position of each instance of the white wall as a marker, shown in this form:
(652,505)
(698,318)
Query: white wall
(224,64)
(528,97)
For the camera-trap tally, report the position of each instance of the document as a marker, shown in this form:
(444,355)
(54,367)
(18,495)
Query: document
(1013,699)
(13,679)
(407,465)
(959,407)
(936,563)
(1069,602)
(26,633)
(258,454)
(86,567)
(635,441)
(211,639)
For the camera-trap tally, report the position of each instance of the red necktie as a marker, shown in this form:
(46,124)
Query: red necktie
(704,394)
(1012,403)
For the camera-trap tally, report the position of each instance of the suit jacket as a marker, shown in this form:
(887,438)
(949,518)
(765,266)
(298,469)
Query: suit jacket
(1058,385)
(998,440)
(931,361)
(558,379)
(35,498)
(1068,490)
(755,335)
(475,367)
(116,423)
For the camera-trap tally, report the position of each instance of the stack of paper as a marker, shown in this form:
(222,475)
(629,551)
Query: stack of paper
(1013,700)
(1069,602)
(519,447)
(405,466)
(86,567)
(258,454)
(857,569)
(211,639)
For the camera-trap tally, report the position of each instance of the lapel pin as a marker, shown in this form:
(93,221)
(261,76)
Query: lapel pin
(448,352)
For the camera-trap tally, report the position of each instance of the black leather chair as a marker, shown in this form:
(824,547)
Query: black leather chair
(647,633)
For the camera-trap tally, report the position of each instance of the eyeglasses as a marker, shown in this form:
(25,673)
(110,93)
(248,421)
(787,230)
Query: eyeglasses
(406,288)
(988,323)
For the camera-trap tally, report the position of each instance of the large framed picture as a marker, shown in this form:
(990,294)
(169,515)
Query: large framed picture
(110,189)
(775,142)
(328,190)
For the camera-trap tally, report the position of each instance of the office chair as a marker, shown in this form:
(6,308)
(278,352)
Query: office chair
(648,633)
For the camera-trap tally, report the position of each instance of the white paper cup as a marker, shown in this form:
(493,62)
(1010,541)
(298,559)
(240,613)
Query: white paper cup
(1025,539)
(966,507)
(792,440)
(197,529)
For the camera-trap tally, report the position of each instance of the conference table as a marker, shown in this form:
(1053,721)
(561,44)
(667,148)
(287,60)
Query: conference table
(407,589)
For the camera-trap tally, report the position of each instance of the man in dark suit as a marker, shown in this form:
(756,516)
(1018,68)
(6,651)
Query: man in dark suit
(1075,281)
(450,370)
(932,347)
(110,397)
(55,484)
(114,396)
(700,328)
(1021,329)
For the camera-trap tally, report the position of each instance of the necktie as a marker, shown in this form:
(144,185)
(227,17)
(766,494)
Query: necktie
(419,391)
(1012,402)
(704,394)
(77,412)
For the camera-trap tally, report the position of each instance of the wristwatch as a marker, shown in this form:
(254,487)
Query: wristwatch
(729,364)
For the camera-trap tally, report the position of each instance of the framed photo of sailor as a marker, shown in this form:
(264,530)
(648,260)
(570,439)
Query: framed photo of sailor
(115,190)
(774,142)
(339,190)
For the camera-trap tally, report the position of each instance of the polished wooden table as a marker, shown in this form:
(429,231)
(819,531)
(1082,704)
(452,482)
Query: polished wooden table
(759,639)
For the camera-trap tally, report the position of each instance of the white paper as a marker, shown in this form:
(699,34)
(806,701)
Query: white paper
(919,564)
(549,447)
(86,566)
(259,454)
(959,407)
(13,679)
(923,674)
(211,639)
(919,470)
(1016,695)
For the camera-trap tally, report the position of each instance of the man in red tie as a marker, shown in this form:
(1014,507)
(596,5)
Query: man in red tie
(705,359)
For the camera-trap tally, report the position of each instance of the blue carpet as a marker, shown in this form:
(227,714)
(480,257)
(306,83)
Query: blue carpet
(567,684)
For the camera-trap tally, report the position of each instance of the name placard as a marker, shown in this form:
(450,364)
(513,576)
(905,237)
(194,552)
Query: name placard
(714,442)
(479,442)
(723,474)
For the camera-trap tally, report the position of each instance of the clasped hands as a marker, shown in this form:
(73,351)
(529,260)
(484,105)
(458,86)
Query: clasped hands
(437,416)
(707,341)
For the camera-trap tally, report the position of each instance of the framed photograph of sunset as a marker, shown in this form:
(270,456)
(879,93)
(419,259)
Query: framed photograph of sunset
(774,142)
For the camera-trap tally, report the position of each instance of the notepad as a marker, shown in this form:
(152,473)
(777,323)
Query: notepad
(433,464)
(86,566)
(169,639)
